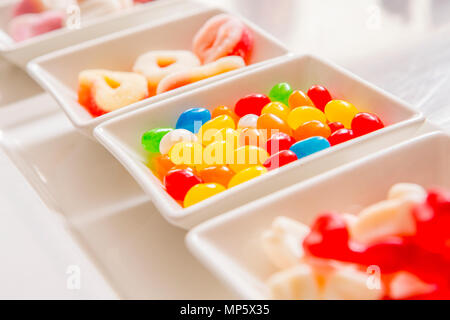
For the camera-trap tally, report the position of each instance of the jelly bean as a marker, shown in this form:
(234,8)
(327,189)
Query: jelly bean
(364,123)
(192,119)
(319,96)
(246,175)
(251,104)
(280,159)
(279,141)
(152,138)
(216,174)
(270,123)
(248,121)
(161,165)
(224,110)
(277,108)
(340,111)
(229,135)
(281,93)
(210,128)
(218,153)
(309,146)
(248,156)
(173,137)
(301,115)
(187,153)
(312,128)
(340,136)
(252,137)
(202,192)
(179,182)
(335,126)
(299,99)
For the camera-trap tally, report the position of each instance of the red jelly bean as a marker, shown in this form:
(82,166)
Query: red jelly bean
(179,182)
(280,159)
(251,104)
(335,126)
(278,142)
(341,136)
(319,96)
(364,123)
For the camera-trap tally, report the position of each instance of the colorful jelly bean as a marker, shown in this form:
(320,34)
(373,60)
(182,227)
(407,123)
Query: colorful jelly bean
(224,110)
(277,108)
(309,146)
(252,137)
(173,137)
(319,96)
(364,123)
(312,128)
(187,153)
(193,119)
(279,141)
(179,182)
(280,159)
(201,192)
(248,156)
(299,99)
(161,165)
(218,153)
(341,111)
(301,115)
(229,135)
(152,138)
(248,121)
(247,175)
(340,136)
(210,128)
(220,174)
(270,123)
(251,104)
(281,93)
(335,126)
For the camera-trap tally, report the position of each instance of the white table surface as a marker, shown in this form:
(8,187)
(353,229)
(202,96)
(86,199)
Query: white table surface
(402,46)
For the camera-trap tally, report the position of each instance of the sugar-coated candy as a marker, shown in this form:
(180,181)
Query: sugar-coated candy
(340,111)
(193,119)
(335,126)
(187,153)
(218,153)
(280,159)
(224,110)
(279,141)
(27,26)
(152,138)
(340,136)
(253,137)
(208,131)
(179,182)
(173,137)
(220,174)
(319,96)
(301,115)
(223,35)
(248,156)
(299,99)
(277,108)
(281,93)
(309,146)
(201,192)
(248,121)
(364,123)
(247,174)
(312,128)
(28,6)
(270,123)
(251,104)
(102,91)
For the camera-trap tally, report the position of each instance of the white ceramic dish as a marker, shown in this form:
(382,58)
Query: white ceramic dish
(122,135)
(230,245)
(21,53)
(58,72)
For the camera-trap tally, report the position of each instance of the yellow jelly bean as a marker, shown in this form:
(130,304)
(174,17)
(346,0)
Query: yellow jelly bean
(277,108)
(301,115)
(202,192)
(187,153)
(341,111)
(218,153)
(246,175)
(229,135)
(210,128)
(248,156)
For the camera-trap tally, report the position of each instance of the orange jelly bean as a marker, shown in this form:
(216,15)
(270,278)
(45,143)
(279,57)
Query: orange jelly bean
(252,137)
(224,110)
(312,128)
(299,99)
(217,174)
(161,165)
(270,122)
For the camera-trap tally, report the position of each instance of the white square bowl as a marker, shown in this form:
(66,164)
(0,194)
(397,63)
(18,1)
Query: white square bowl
(230,245)
(122,136)
(20,53)
(58,72)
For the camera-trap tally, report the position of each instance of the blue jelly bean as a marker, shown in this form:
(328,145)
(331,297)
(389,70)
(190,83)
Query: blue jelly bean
(309,146)
(193,119)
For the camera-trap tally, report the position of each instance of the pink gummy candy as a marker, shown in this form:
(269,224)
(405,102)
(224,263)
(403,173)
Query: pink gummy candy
(28,6)
(30,25)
